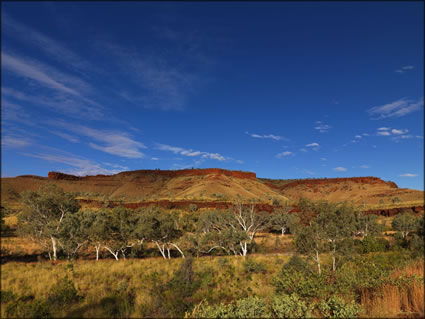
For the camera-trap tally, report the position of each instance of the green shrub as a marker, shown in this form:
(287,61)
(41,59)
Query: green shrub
(336,307)
(27,307)
(289,306)
(250,266)
(374,244)
(250,307)
(63,293)
(297,277)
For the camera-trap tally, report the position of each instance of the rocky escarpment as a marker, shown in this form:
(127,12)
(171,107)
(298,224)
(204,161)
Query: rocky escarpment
(325,181)
(168,173)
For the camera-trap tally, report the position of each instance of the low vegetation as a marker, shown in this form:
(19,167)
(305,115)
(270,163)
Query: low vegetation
(328,260)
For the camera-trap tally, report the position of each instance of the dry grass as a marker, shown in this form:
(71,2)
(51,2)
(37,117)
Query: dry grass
(396,300)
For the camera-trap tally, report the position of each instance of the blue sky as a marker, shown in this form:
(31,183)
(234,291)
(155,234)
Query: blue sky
(284,89)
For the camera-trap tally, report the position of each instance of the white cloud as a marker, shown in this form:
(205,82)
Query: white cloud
(66,136)
(190,152)
(15,141)
(283,154)
(28,35)
(81,166)
(364,166)
(365,134)
(408,175)
(397,108)
(383,133)
(358,136)
(384,128)
(322,127)
(155,159)
(314,144)
(303,150)
(30,70)
(267,136)
(114,142)
(323,159)
(399,132)
(340,169)
(404,69)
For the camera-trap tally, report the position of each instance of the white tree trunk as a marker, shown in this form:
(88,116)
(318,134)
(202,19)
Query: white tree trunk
(54,247)
(180,251)
(244,248)
(97,251)
(161,250)
(115,254)
(318,261)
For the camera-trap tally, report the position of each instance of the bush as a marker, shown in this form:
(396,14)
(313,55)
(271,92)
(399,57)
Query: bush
(335,307)
(297,277)
(374,244)
(27,307)
(250,307)
(289,306)
(63,293)
(250,266)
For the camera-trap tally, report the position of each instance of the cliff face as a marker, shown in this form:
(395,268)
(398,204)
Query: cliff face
(185,172)
(324,181)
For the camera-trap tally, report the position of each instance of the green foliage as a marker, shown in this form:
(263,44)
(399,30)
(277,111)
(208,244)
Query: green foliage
(250,266)
(335,307)
(250,307)
(27,307)
(297,277)
(374,244)
(289,306)
(405,223)
(63,293)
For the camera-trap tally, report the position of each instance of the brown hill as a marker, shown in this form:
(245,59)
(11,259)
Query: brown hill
(179,188)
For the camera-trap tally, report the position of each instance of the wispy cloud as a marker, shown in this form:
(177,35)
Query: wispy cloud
(44,43)
(340,169)
(304,150)
(32,70)
(190,152)
(314,146)
(399,132)
(15,141)
(284,154)
(114,142)
(267,136)
(80,166)
(408,175)
(397,108)
(404,69)
(358,136)
(59,102)
(66,136)
(322,127)
(383,133)
(384,128)
(364,166)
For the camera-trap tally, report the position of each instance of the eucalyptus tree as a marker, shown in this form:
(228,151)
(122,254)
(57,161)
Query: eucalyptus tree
(232,230)
(283,221)
(404,223)
(72,235)
(120,231)
(367,225)
(337,223)
(96,228)
(43,215)
(160,228)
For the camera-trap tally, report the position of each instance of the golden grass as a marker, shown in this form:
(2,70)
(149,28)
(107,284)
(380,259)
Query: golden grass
(390,300)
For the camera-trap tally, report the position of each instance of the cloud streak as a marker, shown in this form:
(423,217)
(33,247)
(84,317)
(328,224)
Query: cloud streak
(267,136)
(191,153)
(397,108)
(284,154)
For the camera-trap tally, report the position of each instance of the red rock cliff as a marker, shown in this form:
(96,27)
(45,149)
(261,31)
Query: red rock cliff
(184,172)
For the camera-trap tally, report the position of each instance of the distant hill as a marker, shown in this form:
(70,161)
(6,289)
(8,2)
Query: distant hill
(217,185)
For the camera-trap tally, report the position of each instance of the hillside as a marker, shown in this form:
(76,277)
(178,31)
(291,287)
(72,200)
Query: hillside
(200,186)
